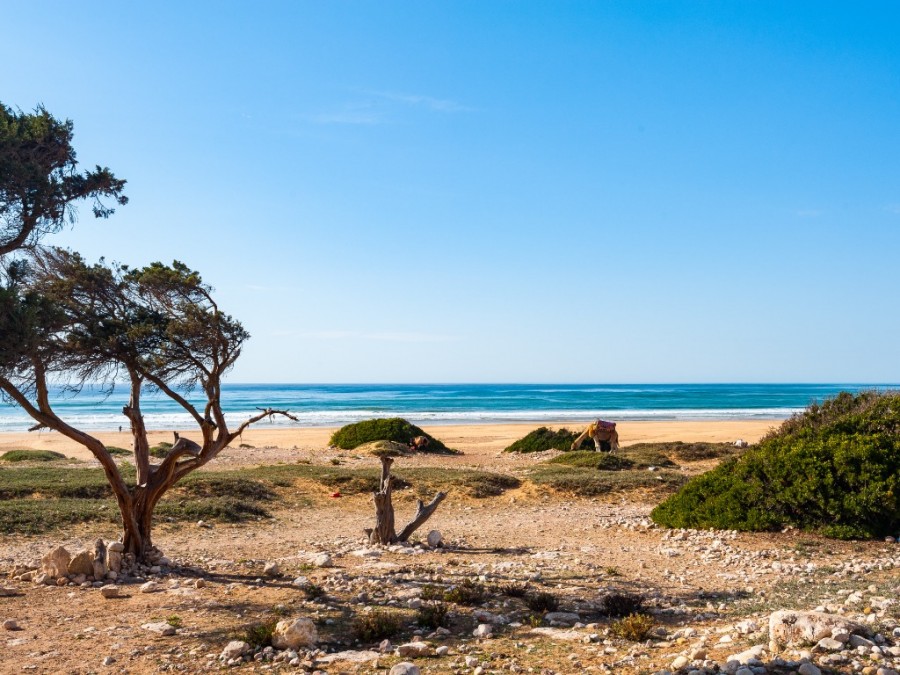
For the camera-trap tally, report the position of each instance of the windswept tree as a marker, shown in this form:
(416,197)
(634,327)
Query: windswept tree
(39,178)
(64,322)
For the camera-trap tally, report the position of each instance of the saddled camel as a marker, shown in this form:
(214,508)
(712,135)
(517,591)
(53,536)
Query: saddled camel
(604,435)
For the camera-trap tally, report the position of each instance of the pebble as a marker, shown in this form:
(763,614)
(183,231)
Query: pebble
(11,624)
(110,591)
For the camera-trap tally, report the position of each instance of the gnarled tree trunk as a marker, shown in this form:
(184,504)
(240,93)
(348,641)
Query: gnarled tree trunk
(384,531)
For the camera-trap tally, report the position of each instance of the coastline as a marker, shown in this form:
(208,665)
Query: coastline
(478,439)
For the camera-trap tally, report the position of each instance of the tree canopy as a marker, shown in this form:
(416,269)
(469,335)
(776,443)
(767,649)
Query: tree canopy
(40,181)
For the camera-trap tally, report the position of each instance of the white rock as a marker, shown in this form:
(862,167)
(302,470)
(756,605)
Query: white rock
(234,649)
(809,669)
(271,569)
(149,587)
(860,641)
(405,668)
(110,591)
(159,627)
(443,650)
(471,661)
(680,662)
(11,624)
(8,591)
(434,539)
(483,630)
(830,644)
(414,649)
(295,633)
(564,618)
(793,628)
(350,656)
(744,657)
(109,660)
(115,546)
(322,560)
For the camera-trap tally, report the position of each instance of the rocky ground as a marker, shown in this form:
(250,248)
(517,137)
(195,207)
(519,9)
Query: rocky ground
(710,596)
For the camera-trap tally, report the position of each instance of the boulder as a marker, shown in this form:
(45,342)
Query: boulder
(234,650)
(81,563)
(295,633)
(405,668)
(322,560)
(160,628)
(435,539)
(414,649)
(110,591)
(271,570)
(791,628)
(56,563)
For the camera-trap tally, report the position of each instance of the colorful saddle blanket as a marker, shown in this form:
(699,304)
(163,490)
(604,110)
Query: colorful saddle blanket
(601,425)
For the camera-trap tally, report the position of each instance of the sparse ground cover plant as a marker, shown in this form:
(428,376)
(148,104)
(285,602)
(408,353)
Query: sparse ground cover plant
(394,429)
(258,634)
(513,590)
(31,456)
(432,615)
(634,627)
(467,592)
(834,469)
(588,459)
(544,438)
(591,482)
(541,601)
(621,604)
(377,624)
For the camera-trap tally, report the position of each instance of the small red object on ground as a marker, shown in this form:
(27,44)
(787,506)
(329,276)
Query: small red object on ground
(336,494)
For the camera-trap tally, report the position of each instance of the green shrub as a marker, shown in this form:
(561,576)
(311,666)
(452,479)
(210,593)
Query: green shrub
(160,450)
(115,451)
(542,439)
(634,627)
(31,456)
(621,604)
(258,634)
(394,429)
(591,483)
(834,468)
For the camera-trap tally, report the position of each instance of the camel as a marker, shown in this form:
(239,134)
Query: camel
(604,435)
(418,443)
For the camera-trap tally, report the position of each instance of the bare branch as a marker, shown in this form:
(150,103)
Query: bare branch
(266,412)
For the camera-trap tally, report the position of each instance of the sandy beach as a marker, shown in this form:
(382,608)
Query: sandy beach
(471,439)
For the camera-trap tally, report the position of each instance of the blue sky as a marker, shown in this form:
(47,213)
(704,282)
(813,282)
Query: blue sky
(497,191)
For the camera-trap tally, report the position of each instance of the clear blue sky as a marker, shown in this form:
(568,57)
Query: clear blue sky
(499,191)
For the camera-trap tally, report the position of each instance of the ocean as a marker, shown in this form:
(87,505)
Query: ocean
(338,404)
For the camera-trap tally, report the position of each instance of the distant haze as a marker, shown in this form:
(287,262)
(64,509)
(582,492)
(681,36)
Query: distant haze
(499,192)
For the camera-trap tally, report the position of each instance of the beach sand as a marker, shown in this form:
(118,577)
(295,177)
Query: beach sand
(472,439)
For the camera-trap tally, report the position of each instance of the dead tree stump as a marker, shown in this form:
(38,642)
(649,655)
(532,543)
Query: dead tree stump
(384,531)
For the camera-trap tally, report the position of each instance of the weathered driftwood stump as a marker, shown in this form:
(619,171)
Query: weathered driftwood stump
(384,531)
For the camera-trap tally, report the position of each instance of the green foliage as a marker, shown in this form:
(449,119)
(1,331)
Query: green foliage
(161,450)
(634,627)
(114,451)
(31,456)
(467,592)
(432,615)
(693,452)
(383,429)
(376,625)
(834,469)
(542,439)
(542,602)
(258,635)
(39,178)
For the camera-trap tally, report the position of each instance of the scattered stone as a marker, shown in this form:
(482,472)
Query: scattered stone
(809,669)
(99,560)
(295,633)
(8,592)
(149,587)
(11,624)
(830,645)
(434,539)
(405,668)
(562,618)
(200,583)
(322,560)
(110,591)
(271,570)
(680,662)
(300,582)
(443,650)
(160,628)
(109,660)
(367,656)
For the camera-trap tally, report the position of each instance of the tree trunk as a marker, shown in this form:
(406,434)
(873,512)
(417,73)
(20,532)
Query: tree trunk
(384,531)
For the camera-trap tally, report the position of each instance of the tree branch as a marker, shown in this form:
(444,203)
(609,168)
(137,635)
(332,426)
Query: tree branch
(266,412)
(423,513)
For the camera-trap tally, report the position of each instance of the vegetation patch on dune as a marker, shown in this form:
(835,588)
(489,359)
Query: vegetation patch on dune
(834,469)
(394,429)
(31,456)
(591,482)
(588,459)
(542,439)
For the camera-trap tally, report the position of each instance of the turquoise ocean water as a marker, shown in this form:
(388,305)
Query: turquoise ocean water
(333,404)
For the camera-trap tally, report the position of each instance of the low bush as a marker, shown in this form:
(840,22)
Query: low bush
(589,459)
(432,615)
(31,456)
(542,439)
(467,592)
(591,482)
(258,635)
(376,625)
(541,602)
(160,450)
(394,429)
(834,469)
(634,627)
(621,604)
